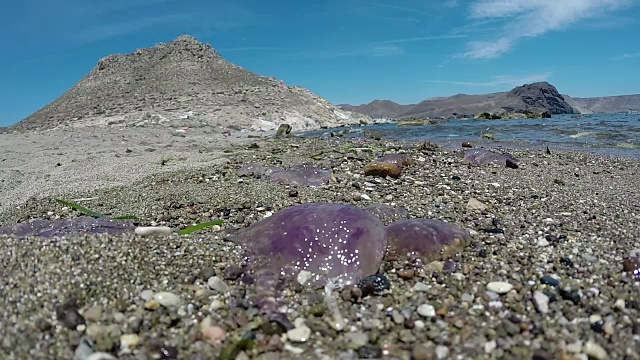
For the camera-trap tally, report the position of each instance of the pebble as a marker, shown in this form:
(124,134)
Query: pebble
(490,346)
(594,350)
(421,352)
(475,204)
(299,334)
(426,310)
(420,287)
(548,280)
(442,352)
(499,287)
(215,335)
(152,230)
(127,341)
(94,313)
(217,284)
(101,356)
(168,299)
(541,302)
(357,339)
(146,295)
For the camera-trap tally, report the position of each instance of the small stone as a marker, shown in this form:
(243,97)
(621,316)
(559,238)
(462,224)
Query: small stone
(594,350)
(94,313)
(357,339)
(216,305)
(421,352)
(475,204)
(541,302)
(542,242)
(214,335)
(152,230)
(442,352)
(299,334)
(420,287)
(146,295)
(101,356)
(551,281)
(499,287)
(127,341)
(217,284)
(490,346)
(406,274)
(397,317)
(69,316)
(426,310)
(232,272)
(382,169)
(620,304)
(304,276)
(369,351)
(168,299)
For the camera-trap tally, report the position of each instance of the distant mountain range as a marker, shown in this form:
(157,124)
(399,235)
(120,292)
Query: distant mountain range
(536,97)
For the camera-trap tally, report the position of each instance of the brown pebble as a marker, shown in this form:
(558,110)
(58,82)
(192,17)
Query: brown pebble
(406,274)
(442,311)
(421,352)
(376,168)
(631,264)
(409,324)
(152,305)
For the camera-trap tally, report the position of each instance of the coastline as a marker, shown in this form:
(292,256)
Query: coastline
(570,215)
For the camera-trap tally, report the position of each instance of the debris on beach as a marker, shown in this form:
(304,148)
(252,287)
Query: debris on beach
(484,157)
(304,174)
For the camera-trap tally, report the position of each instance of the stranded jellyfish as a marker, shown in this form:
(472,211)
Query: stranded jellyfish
(67,227)
(305,174)
(314,243)
(426,239)
(483,157)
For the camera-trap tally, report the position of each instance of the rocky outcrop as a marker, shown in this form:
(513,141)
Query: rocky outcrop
(185,83)
(535,98)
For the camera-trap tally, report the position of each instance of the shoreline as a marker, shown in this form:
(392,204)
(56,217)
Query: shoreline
(568,216)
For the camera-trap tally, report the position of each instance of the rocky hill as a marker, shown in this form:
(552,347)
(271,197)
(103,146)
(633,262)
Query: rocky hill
(378,109)
(536,97)
(607,104)
(185,83)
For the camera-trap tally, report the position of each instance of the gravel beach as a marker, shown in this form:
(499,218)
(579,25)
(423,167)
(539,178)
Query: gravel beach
(543,277)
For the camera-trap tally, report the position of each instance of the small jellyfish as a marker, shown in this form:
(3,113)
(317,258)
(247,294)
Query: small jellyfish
(255,169)
(427,239)
(483,157)
(314,243)
(305,174)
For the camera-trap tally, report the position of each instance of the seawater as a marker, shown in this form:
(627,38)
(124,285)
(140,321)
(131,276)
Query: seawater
(614,134)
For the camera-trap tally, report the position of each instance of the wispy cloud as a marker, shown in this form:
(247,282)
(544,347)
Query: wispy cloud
(626,56)
(420,38)
(530,18)
(400,8)
(368,51)
(111,30)
(503,81)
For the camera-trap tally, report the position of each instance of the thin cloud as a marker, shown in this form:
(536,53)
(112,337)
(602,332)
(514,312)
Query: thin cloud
(400,8)
(530,18)
(107,31)
(503,81)
(420,38)
(626,56)
(370,51)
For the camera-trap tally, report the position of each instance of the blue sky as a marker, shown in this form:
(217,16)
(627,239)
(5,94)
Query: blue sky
(348,51)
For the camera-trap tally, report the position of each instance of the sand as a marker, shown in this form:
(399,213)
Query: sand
(567,220)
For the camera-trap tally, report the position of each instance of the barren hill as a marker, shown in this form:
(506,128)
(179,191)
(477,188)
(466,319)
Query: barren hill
(536,97)
(184,83)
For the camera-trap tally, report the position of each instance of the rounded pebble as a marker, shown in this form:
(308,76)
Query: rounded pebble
(499,287)
(152,230)
(426,310)
(299,334)
(167,299)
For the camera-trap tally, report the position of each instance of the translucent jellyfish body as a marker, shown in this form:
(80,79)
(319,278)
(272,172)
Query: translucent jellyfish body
(315,243)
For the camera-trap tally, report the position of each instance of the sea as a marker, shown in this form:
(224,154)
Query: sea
(614,134)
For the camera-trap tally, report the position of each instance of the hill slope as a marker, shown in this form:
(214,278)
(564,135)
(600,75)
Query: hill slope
(184,83)
(536,97)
